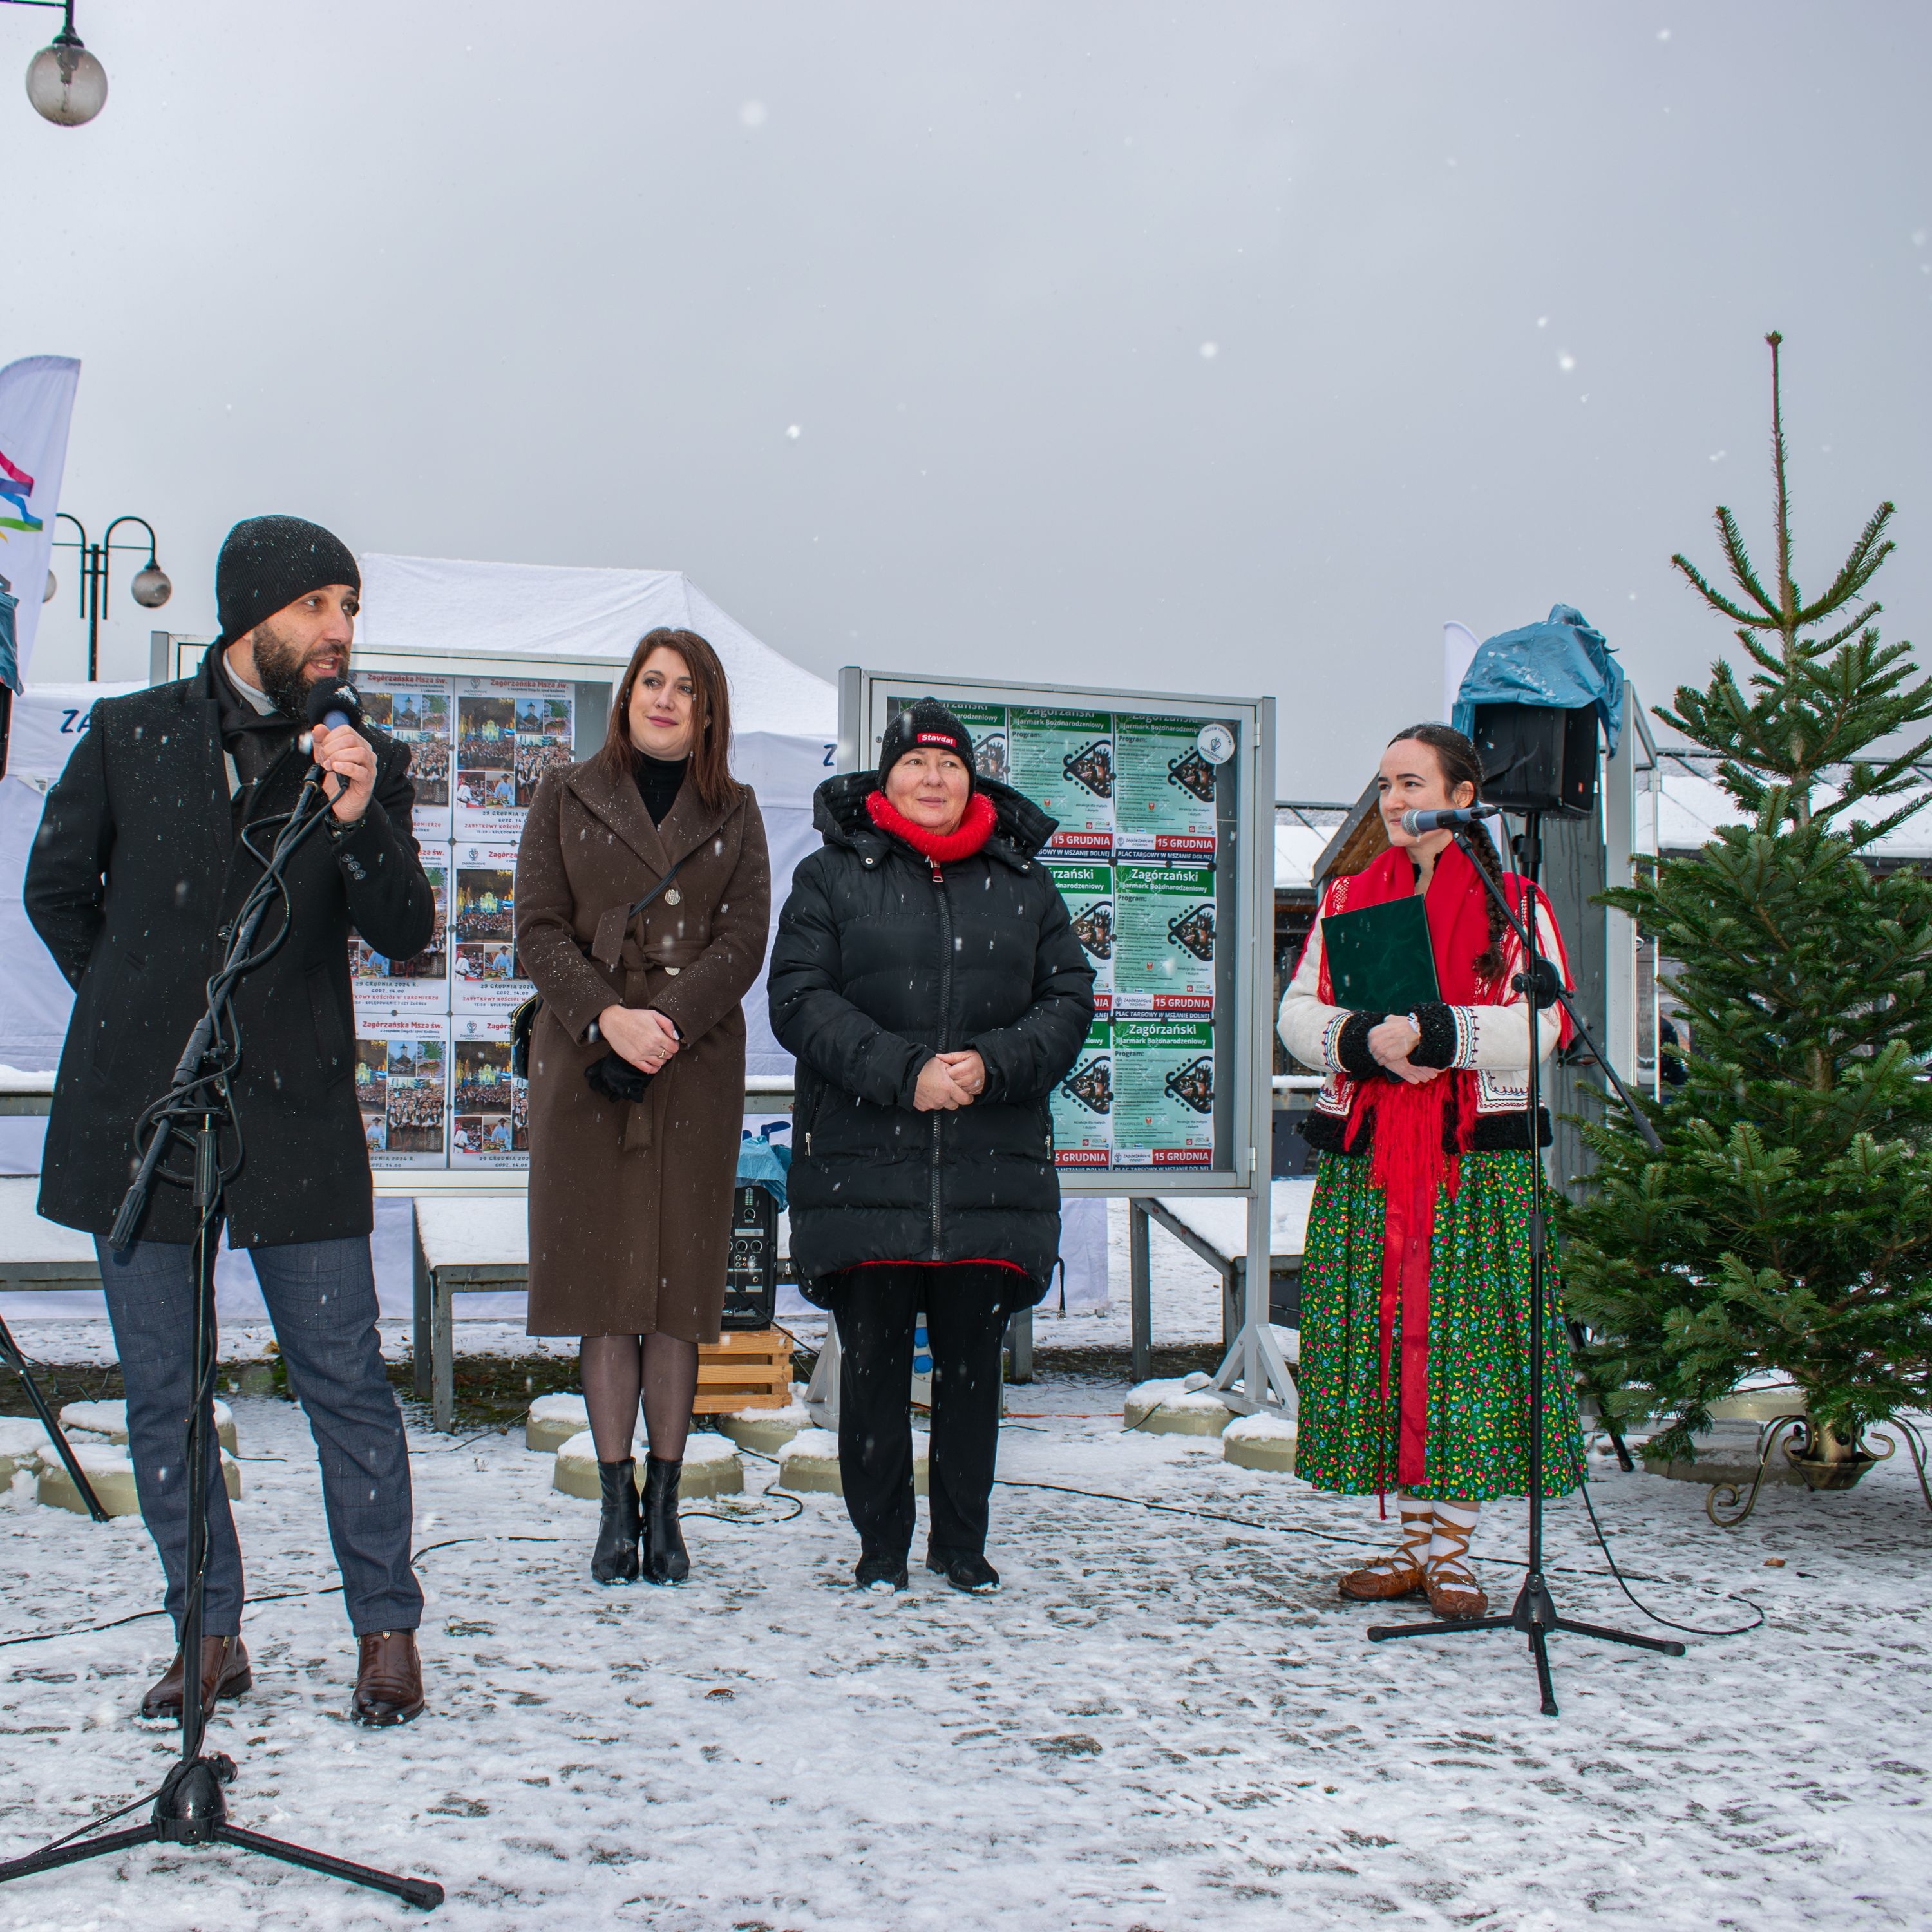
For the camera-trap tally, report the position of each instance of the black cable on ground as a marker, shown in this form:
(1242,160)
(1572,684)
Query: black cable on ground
(1694,1630)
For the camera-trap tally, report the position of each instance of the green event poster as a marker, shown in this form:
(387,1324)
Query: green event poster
(1163,1092)
(1064,761)
(1163,937)
(1164,794)
(1088,889)
(1083,1105)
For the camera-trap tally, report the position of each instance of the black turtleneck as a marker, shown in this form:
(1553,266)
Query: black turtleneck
(659,781)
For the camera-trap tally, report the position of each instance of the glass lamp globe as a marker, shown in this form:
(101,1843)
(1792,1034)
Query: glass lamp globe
(67,85)
(53,584)
(151,587)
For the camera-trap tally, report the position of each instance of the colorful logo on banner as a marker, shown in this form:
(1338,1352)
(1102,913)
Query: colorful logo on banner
(16,487)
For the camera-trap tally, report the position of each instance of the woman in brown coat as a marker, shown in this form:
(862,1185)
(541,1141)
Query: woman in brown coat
(631,1198)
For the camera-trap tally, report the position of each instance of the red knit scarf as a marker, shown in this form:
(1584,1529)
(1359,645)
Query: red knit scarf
(941,847)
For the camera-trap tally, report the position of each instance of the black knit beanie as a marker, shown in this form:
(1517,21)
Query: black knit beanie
(924,722)
(267,562)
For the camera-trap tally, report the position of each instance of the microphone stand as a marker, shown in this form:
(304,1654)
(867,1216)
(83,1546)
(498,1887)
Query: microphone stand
(1534,1614)
(190,1808)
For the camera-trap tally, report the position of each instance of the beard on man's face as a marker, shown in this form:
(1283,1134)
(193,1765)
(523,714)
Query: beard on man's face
(283,668)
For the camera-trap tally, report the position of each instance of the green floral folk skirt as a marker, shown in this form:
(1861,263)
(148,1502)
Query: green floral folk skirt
(1477,1421)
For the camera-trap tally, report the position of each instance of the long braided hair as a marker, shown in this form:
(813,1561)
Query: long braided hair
(1460,765)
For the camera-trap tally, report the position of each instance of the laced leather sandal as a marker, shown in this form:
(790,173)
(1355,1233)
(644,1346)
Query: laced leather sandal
(1453,1589)
(1401,1572)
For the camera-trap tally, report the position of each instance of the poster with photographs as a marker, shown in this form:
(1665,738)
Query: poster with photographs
(489,1107)
(1083,1105)
(1165,790)
(1163,937)
(509,732)
(1163,1071)
(401,1087)
(1064,761)
(414,710)
(1088,889)
(484,920)
(417,984)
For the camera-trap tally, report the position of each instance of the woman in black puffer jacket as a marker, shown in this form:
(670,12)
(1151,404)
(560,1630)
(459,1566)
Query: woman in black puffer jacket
(927,978)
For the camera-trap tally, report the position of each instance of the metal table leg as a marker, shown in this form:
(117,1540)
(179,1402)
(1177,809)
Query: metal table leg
(1019,1339)
(1140,1291)
(443,1351)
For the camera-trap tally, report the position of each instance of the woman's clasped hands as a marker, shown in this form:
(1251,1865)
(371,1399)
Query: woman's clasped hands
(950,1081)
(644,1037)
(1392,1042)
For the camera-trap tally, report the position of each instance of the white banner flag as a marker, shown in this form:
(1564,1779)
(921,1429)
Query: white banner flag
(36,403)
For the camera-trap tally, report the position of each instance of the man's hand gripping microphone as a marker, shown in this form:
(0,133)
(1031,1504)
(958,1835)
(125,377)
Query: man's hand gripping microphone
(332,704)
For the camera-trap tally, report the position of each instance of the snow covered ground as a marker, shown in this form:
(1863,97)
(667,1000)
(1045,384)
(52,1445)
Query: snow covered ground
(1164,1720)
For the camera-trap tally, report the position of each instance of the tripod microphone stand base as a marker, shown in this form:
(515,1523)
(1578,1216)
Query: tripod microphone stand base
(1535,1616)
(191,1810)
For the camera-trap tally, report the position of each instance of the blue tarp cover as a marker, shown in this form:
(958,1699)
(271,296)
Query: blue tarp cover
(1562,662)
(764,1163)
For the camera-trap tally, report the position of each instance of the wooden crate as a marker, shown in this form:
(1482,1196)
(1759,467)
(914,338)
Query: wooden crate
(745,1368)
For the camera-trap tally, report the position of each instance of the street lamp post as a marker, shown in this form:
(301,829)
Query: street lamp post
(67,85)
(150,588)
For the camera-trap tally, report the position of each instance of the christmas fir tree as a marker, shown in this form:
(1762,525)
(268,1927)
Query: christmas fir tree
(1787,1225)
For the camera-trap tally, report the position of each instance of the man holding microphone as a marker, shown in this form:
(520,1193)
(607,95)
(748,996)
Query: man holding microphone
(148,847)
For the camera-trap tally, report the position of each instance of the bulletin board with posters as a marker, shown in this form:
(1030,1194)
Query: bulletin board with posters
(1164,852)
(441,1110)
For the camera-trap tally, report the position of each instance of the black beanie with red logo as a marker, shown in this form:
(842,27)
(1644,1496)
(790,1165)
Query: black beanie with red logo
(925,724)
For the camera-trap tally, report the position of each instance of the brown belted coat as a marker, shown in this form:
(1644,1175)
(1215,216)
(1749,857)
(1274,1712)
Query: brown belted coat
(631,1204)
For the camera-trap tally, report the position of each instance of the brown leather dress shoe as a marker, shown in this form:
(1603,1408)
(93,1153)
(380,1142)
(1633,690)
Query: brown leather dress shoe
(224,1673)
(388,1678)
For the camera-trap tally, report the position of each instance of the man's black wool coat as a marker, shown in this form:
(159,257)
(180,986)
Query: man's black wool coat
(881,960)
(135,871)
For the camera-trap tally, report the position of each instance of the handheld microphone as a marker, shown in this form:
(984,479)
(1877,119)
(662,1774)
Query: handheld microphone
(1416,823)
(333,706)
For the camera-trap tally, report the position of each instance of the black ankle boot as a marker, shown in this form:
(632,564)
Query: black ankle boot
(666,1559)
(615,1559)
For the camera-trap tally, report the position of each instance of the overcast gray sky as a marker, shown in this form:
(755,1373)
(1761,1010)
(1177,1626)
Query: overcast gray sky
(1216,347)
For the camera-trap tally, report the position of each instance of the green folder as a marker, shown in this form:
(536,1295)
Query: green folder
(1380,960)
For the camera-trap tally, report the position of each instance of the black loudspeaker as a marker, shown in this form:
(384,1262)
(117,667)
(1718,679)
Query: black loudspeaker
(751,1273)
(1538,757)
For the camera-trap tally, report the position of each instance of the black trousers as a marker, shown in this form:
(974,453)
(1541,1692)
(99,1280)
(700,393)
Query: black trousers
(965,1319)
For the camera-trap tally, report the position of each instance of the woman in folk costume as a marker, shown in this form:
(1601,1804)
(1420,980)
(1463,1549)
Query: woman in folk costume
(1416,1280)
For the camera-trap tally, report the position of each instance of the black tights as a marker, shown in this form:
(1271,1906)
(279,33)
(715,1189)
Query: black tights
(616,1368)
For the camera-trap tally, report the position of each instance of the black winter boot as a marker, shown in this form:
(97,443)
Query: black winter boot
(615,1559)
(666,1559)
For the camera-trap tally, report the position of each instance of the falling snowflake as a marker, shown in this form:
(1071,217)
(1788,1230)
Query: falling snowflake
(1209,350)
(1565,361)
(752,114)
(794,431)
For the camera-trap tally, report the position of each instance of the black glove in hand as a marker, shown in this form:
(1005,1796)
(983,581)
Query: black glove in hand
(616,1078)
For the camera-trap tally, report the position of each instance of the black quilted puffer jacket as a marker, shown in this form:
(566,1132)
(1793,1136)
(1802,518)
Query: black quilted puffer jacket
(884,959)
